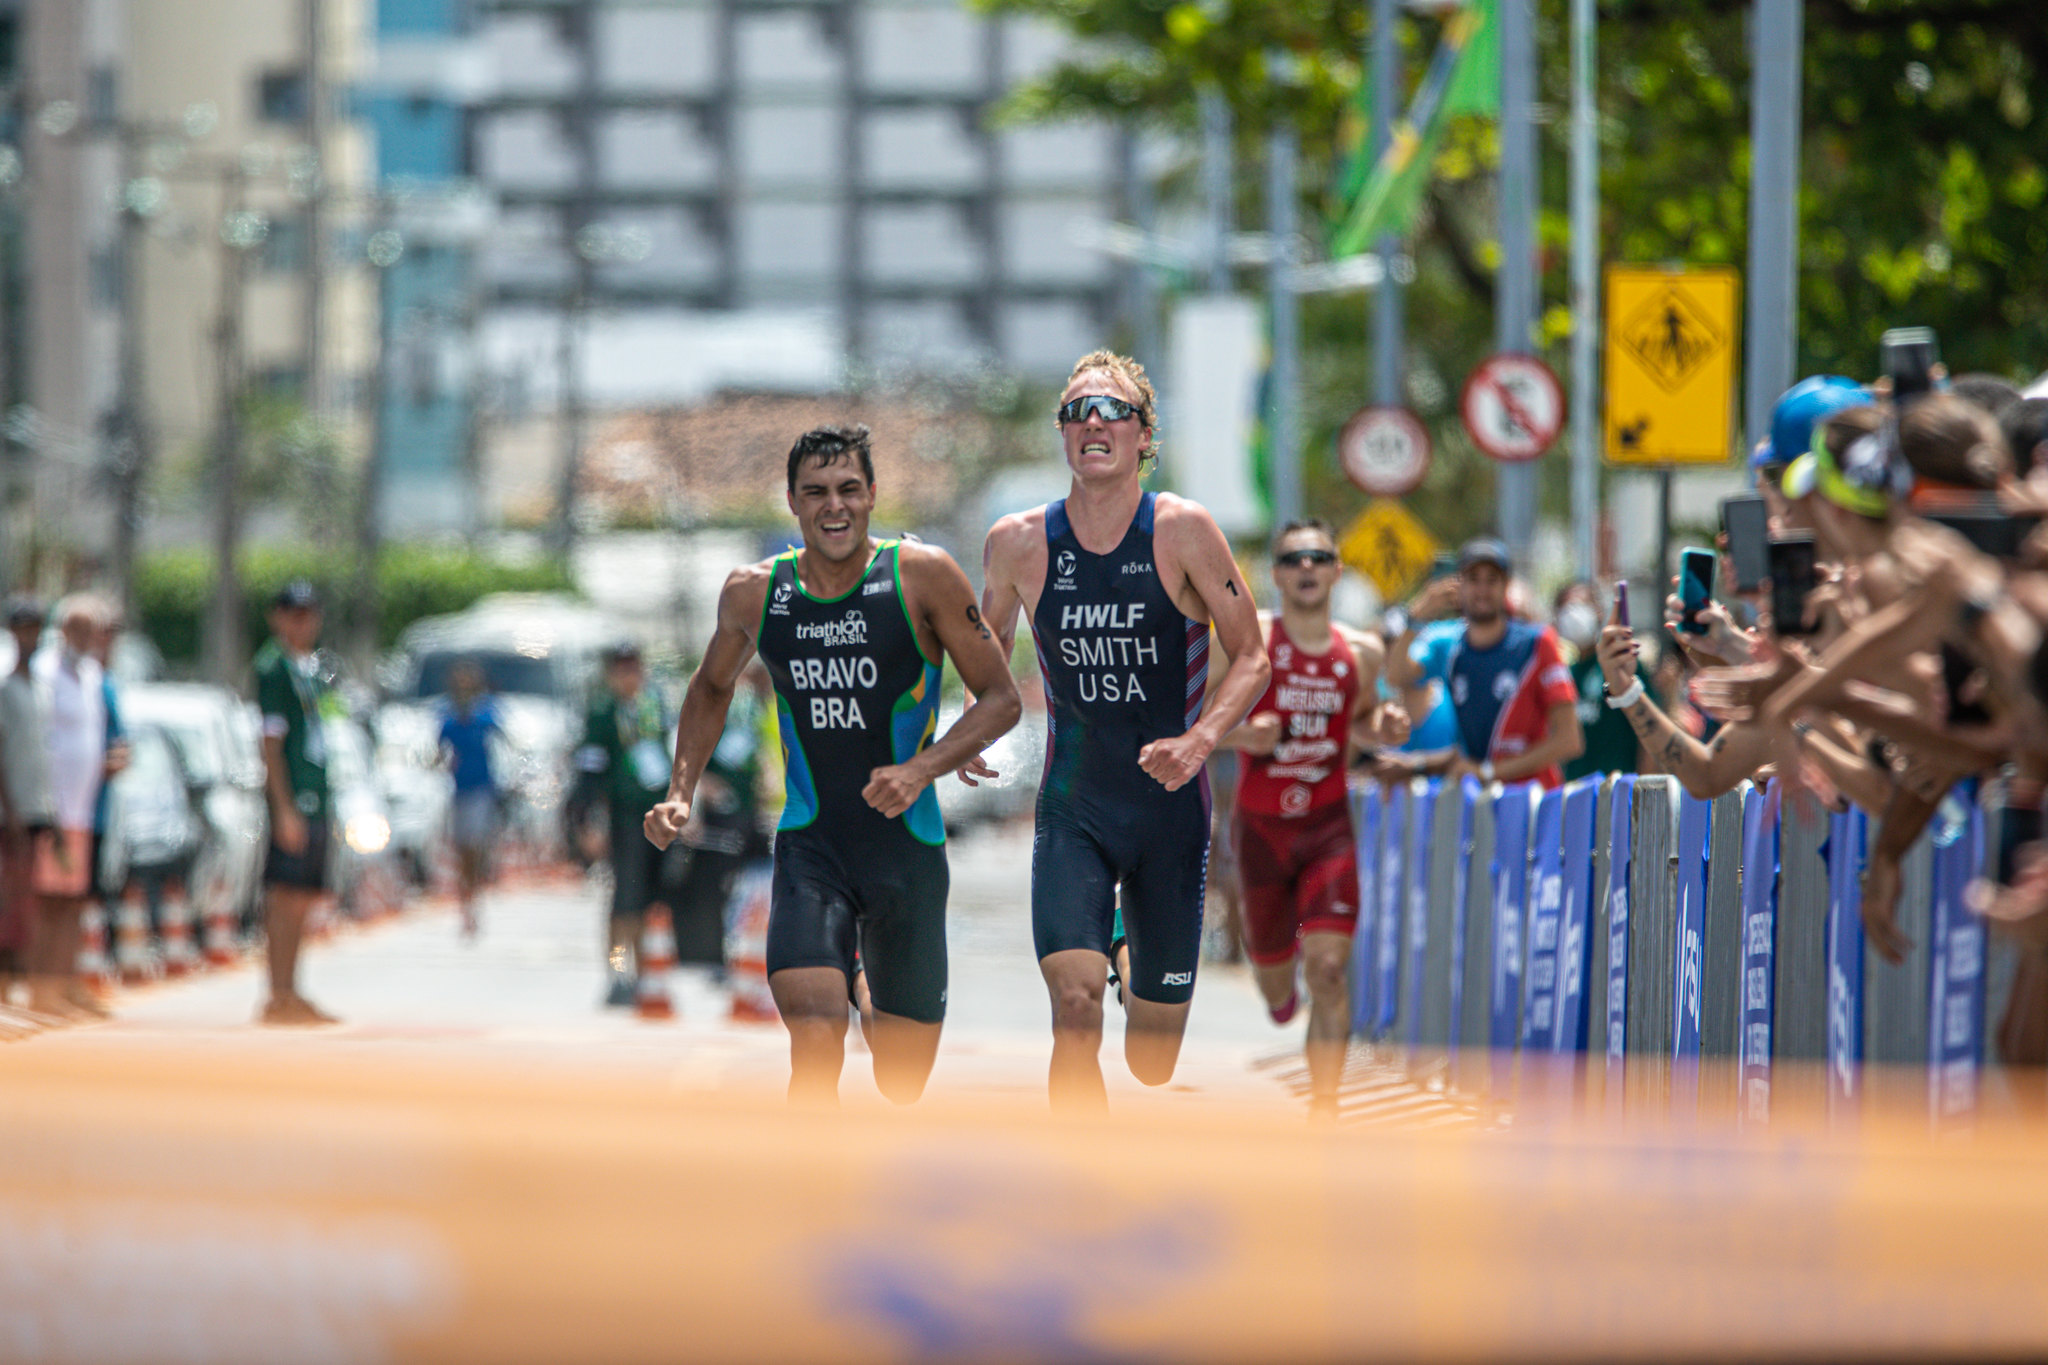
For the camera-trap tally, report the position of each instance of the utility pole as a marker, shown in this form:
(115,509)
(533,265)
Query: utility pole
(226,650)
(1217,175)
(1585,214)
(1771,349)
(580,19)
(1283,432)
(1516,285)
(1387,312)
(386,249)
(129,435)
(315,319)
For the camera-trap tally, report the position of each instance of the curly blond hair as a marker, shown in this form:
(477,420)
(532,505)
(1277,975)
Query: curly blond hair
(1128,370)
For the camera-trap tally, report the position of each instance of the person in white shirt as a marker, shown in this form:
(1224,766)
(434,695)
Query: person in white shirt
(25,791)
(75,737)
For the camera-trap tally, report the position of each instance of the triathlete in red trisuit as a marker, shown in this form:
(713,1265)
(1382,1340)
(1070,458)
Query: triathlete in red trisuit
(1296,854)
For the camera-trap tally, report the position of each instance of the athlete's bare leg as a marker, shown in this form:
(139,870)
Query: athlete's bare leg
(1152,1031)
(812,1001)
(1326,968)
(904,1052)
(1076,979)
(1277,981)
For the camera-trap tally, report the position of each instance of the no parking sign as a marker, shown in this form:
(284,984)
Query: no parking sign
(1513,407)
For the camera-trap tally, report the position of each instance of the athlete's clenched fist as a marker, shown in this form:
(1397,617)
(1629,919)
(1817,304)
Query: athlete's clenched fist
(893,790)
(666,821)
(1173,762)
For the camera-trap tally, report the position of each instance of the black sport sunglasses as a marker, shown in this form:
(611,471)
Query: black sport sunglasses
(1301,559)
(1108,408)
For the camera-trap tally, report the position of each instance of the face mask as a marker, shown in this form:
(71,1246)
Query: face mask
(1578,624)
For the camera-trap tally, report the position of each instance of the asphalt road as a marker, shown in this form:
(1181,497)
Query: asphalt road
(526,993)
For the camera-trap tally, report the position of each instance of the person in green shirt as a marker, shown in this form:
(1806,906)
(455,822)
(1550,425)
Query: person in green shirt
(1611,745)
(623,764)
(288,694)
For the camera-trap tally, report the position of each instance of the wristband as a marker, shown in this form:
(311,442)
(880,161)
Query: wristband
(1486,772)
(1628,698)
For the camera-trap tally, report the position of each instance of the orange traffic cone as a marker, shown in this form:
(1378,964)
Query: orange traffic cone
(93,963)
(218,942)
(657,960)
(746,948)
(180,957)
(133,956)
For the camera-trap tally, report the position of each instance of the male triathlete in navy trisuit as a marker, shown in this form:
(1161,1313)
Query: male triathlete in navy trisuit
(854,633)
(1120,586)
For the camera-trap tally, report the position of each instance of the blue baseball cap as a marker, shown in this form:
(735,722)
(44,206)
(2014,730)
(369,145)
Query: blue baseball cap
(1812,400)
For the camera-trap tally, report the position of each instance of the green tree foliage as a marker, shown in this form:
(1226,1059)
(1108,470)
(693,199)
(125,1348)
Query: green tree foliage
(1925,162)
(173,588)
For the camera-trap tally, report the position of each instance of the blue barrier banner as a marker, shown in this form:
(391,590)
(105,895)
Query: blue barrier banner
(1621,821)
(1955,1007)
(1689,933)
(1421,831)
(1365,815)
(1848,832)
(1575,918)
(1759,947)
(1461,892)
(1510,894)
(1546,901)
(1387,938)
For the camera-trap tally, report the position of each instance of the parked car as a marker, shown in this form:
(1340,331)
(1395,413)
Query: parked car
(368,880)
(155,828)
(219,751)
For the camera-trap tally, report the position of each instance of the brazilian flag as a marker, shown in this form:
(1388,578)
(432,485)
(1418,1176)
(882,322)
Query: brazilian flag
(1463,78)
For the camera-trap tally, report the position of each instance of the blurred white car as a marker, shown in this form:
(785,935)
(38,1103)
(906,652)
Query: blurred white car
(1019,760)
(219,750)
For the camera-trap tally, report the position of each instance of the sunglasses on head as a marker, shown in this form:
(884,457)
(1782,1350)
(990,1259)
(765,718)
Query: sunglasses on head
(1301,559)
(1108,408)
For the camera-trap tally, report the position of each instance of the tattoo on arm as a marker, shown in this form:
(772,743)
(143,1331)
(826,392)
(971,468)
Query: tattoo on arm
(1674,754)
(1231,584)
(974,619)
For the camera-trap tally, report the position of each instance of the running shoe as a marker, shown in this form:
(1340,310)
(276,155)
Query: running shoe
(622,993)
(1284,1011)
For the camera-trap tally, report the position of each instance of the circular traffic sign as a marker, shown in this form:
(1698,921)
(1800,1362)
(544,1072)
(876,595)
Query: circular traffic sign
(1384,450)
(1513,407)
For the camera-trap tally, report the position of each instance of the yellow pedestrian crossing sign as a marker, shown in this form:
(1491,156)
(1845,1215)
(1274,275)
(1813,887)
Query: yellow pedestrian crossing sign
(1388,545)
(1670,365)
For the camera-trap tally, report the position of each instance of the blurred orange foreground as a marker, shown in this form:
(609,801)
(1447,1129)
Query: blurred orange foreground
(338,1207)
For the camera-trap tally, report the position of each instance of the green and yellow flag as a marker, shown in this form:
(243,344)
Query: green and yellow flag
(1463,78)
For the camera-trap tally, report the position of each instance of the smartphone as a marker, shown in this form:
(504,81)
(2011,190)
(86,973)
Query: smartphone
(1792,582)
(1443,566)
(1621,603)
(1911,357)
(1745,520)
(1695,588)
(1991,531)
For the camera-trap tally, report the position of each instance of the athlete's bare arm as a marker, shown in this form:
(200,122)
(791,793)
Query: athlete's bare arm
(1198,572)
(1259,734)
(1373,722)
(1013,552)
(941,602)
(710,694)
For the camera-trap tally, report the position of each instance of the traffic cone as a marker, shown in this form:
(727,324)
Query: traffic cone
(218,944)
(746,947)
(180,957)
(134,958)
(657,960)
(93,963)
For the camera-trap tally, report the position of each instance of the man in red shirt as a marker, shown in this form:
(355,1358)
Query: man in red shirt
(1296,851)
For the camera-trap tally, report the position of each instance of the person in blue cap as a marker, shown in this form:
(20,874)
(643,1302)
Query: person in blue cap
(1812,400)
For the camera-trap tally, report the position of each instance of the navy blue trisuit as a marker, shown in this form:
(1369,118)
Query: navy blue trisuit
(854,692)
(1122,667)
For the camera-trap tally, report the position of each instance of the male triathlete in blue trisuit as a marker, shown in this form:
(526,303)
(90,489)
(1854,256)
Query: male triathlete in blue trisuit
(1121,586)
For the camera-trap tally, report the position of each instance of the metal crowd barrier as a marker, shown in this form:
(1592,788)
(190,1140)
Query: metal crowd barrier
(1685,947)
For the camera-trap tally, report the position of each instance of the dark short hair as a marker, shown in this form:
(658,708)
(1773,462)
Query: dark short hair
(1953,440)
(1991,392)
(2025,425)
(1316,524)
(823,445)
